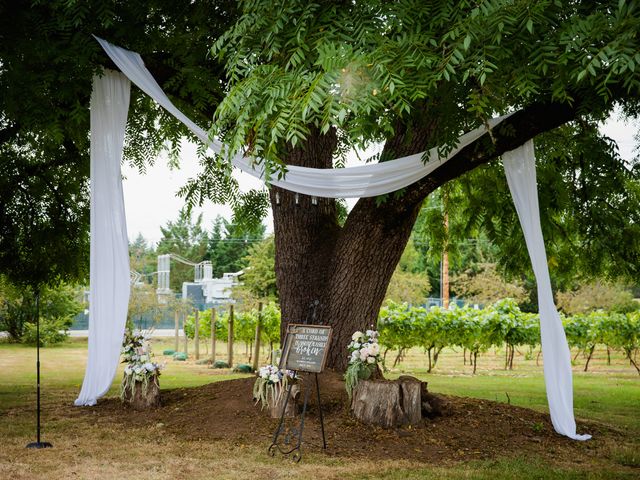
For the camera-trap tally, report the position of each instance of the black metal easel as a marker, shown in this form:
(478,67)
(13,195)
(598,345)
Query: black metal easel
(293,435)
(38,443)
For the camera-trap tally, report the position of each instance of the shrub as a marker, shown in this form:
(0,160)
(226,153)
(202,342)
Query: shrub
(52,331)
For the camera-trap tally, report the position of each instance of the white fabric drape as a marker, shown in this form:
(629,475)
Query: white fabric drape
(109,261)
(354,182)
(520,168)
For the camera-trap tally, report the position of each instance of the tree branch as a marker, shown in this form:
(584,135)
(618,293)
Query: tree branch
(508,135)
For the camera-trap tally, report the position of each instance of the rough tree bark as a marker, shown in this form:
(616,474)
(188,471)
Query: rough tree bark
(348,268)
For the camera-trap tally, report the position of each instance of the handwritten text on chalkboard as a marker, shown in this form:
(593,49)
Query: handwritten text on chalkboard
(306,347)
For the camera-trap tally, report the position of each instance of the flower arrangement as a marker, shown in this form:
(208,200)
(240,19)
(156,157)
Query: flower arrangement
(271,384)
(365,357)
(136,353)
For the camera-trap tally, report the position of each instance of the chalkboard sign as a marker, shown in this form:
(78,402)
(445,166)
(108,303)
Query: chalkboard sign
(305,348)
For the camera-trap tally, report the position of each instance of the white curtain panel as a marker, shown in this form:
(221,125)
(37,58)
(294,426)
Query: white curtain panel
(109,258)
(520,168)
(354,182)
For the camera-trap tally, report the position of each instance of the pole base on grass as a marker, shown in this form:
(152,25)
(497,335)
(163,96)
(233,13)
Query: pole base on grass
(39,445)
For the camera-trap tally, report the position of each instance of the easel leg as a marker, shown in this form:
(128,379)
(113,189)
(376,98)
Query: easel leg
(272,450)
(324,441)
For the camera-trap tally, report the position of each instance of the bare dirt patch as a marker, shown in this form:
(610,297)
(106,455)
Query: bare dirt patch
(472,429)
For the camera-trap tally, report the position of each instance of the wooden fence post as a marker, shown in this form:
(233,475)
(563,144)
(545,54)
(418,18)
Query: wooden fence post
(213,336)
(256,343)
(184,331)
(177,323)
(196,334)
(230,338)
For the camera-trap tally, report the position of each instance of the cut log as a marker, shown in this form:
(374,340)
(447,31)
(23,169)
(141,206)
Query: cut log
(388,403)
(143,397)
(276,405)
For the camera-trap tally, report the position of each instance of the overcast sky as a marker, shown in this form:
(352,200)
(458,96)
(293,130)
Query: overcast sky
(151,200)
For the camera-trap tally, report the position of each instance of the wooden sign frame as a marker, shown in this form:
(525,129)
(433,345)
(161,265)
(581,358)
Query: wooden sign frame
(290,338)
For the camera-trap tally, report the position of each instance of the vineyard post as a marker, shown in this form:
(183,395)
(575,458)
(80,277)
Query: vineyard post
(256,351)
(230,338)
(184,331)
(196,334)
(176,318)
(213,335)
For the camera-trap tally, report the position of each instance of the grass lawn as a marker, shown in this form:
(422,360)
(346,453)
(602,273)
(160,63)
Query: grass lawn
(609,395)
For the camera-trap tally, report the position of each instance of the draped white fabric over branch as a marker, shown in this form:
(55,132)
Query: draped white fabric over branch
(109,258)
(362,181)
(354,182)
(520,168)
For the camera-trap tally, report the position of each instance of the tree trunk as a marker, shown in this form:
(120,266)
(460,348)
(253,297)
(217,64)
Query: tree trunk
(511,355)
(348,268)
(576,357)
(475,362)
(506,356)
(436,354)
(586,365)
(398,357)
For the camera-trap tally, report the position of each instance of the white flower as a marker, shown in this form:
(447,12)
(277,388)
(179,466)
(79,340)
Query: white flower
(138,369)
(356,345)
(150,367)
(274,378)
(374,349)
(364,353)
(371,360)
(357,336)
(128,370)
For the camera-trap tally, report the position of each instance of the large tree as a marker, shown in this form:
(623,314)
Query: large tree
(308,80)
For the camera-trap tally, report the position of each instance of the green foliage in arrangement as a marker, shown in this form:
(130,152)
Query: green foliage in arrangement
(501,324)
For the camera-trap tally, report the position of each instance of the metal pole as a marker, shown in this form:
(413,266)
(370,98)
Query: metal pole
(38,443)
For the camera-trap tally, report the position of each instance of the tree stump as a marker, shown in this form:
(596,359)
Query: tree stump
(388,403)
(277,404)
(141,397)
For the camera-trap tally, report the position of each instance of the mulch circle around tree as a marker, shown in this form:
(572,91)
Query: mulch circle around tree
(469,428)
